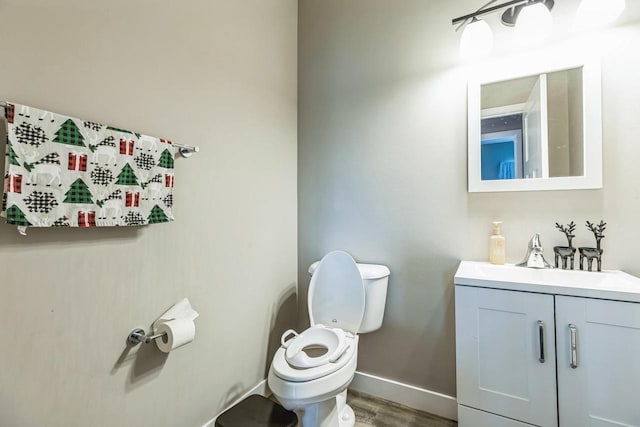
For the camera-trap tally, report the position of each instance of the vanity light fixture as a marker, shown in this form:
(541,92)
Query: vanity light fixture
(534,24)
(532,20)
(477,38)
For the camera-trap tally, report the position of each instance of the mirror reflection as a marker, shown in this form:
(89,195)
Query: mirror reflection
(532,127)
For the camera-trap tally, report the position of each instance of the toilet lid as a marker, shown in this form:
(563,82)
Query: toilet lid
(336,293)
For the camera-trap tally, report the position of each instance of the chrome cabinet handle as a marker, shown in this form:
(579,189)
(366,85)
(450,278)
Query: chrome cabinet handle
(573,331)
(541,340)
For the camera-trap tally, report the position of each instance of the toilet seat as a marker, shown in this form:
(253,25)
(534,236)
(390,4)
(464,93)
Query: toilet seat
(336,308)
(288,372)
(332,339)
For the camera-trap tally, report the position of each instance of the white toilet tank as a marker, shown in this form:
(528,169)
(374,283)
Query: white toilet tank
(375,278)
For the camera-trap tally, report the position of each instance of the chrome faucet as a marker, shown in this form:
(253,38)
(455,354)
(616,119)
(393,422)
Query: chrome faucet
(535,257)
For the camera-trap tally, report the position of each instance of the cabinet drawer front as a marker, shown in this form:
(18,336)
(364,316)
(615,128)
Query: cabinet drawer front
(500,368)
(599,381)
(469,417)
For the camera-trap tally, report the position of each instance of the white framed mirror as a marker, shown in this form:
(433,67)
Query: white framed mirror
(535,124)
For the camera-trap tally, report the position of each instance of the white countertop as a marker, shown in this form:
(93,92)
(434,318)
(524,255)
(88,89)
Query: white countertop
(608,284)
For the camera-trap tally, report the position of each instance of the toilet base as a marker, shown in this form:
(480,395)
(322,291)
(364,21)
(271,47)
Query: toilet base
(333,412)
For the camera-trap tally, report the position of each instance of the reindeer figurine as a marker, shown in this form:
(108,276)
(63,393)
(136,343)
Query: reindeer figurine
(565,252)
(593,253)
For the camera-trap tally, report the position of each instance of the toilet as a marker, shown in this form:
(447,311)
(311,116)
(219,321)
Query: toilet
(311,370)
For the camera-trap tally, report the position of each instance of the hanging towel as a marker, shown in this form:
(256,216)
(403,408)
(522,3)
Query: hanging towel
(65,172)
(507,170)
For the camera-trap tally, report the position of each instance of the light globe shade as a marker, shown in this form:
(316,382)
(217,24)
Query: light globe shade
(597,13)
(477,40)
(533,25)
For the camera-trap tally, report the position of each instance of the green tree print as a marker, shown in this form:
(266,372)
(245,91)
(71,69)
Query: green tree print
(157,215)
(127,176)
(166,160)
(13,157)
(16,216)
(69,134)
(78,193)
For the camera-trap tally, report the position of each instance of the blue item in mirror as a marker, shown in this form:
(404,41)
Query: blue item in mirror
(507,169)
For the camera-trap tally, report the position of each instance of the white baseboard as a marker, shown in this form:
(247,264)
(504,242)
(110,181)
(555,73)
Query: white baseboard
(260,388)
(414,397)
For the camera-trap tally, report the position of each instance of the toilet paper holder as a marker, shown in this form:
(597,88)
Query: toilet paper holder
(138,335)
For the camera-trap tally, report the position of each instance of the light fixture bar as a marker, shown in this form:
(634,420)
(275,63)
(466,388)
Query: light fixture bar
(487,10)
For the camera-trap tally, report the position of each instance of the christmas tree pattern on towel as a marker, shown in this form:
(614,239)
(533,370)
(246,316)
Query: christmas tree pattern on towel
(101,164)
(69,134)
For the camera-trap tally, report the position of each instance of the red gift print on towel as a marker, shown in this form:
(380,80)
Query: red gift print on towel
(14,184)
(126,147)
(168,181)
(165,141)
(86,219)
(132,200)
(10,112)
(77,162)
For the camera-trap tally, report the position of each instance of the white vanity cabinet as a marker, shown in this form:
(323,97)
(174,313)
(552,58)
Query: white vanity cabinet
(505,354)
(601,385)
(546,347)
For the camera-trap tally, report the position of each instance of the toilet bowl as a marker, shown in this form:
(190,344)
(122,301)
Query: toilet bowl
(311,371)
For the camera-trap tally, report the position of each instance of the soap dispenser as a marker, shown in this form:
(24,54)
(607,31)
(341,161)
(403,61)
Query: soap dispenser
(497,250)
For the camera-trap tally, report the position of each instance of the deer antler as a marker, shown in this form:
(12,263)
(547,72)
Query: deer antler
(568,231)
(597,230)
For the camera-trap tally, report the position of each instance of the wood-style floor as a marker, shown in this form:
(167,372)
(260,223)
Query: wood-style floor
(374,412)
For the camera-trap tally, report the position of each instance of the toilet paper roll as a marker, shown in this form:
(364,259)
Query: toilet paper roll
(179,332)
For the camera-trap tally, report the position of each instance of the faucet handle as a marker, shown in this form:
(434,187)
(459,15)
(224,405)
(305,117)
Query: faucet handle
(535,243)
(534,257)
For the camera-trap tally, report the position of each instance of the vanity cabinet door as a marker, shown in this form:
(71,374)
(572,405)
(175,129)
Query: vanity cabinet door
(502,367)
(599,369)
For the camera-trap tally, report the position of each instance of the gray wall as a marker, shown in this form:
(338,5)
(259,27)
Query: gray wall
(220,74)
(382,166)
